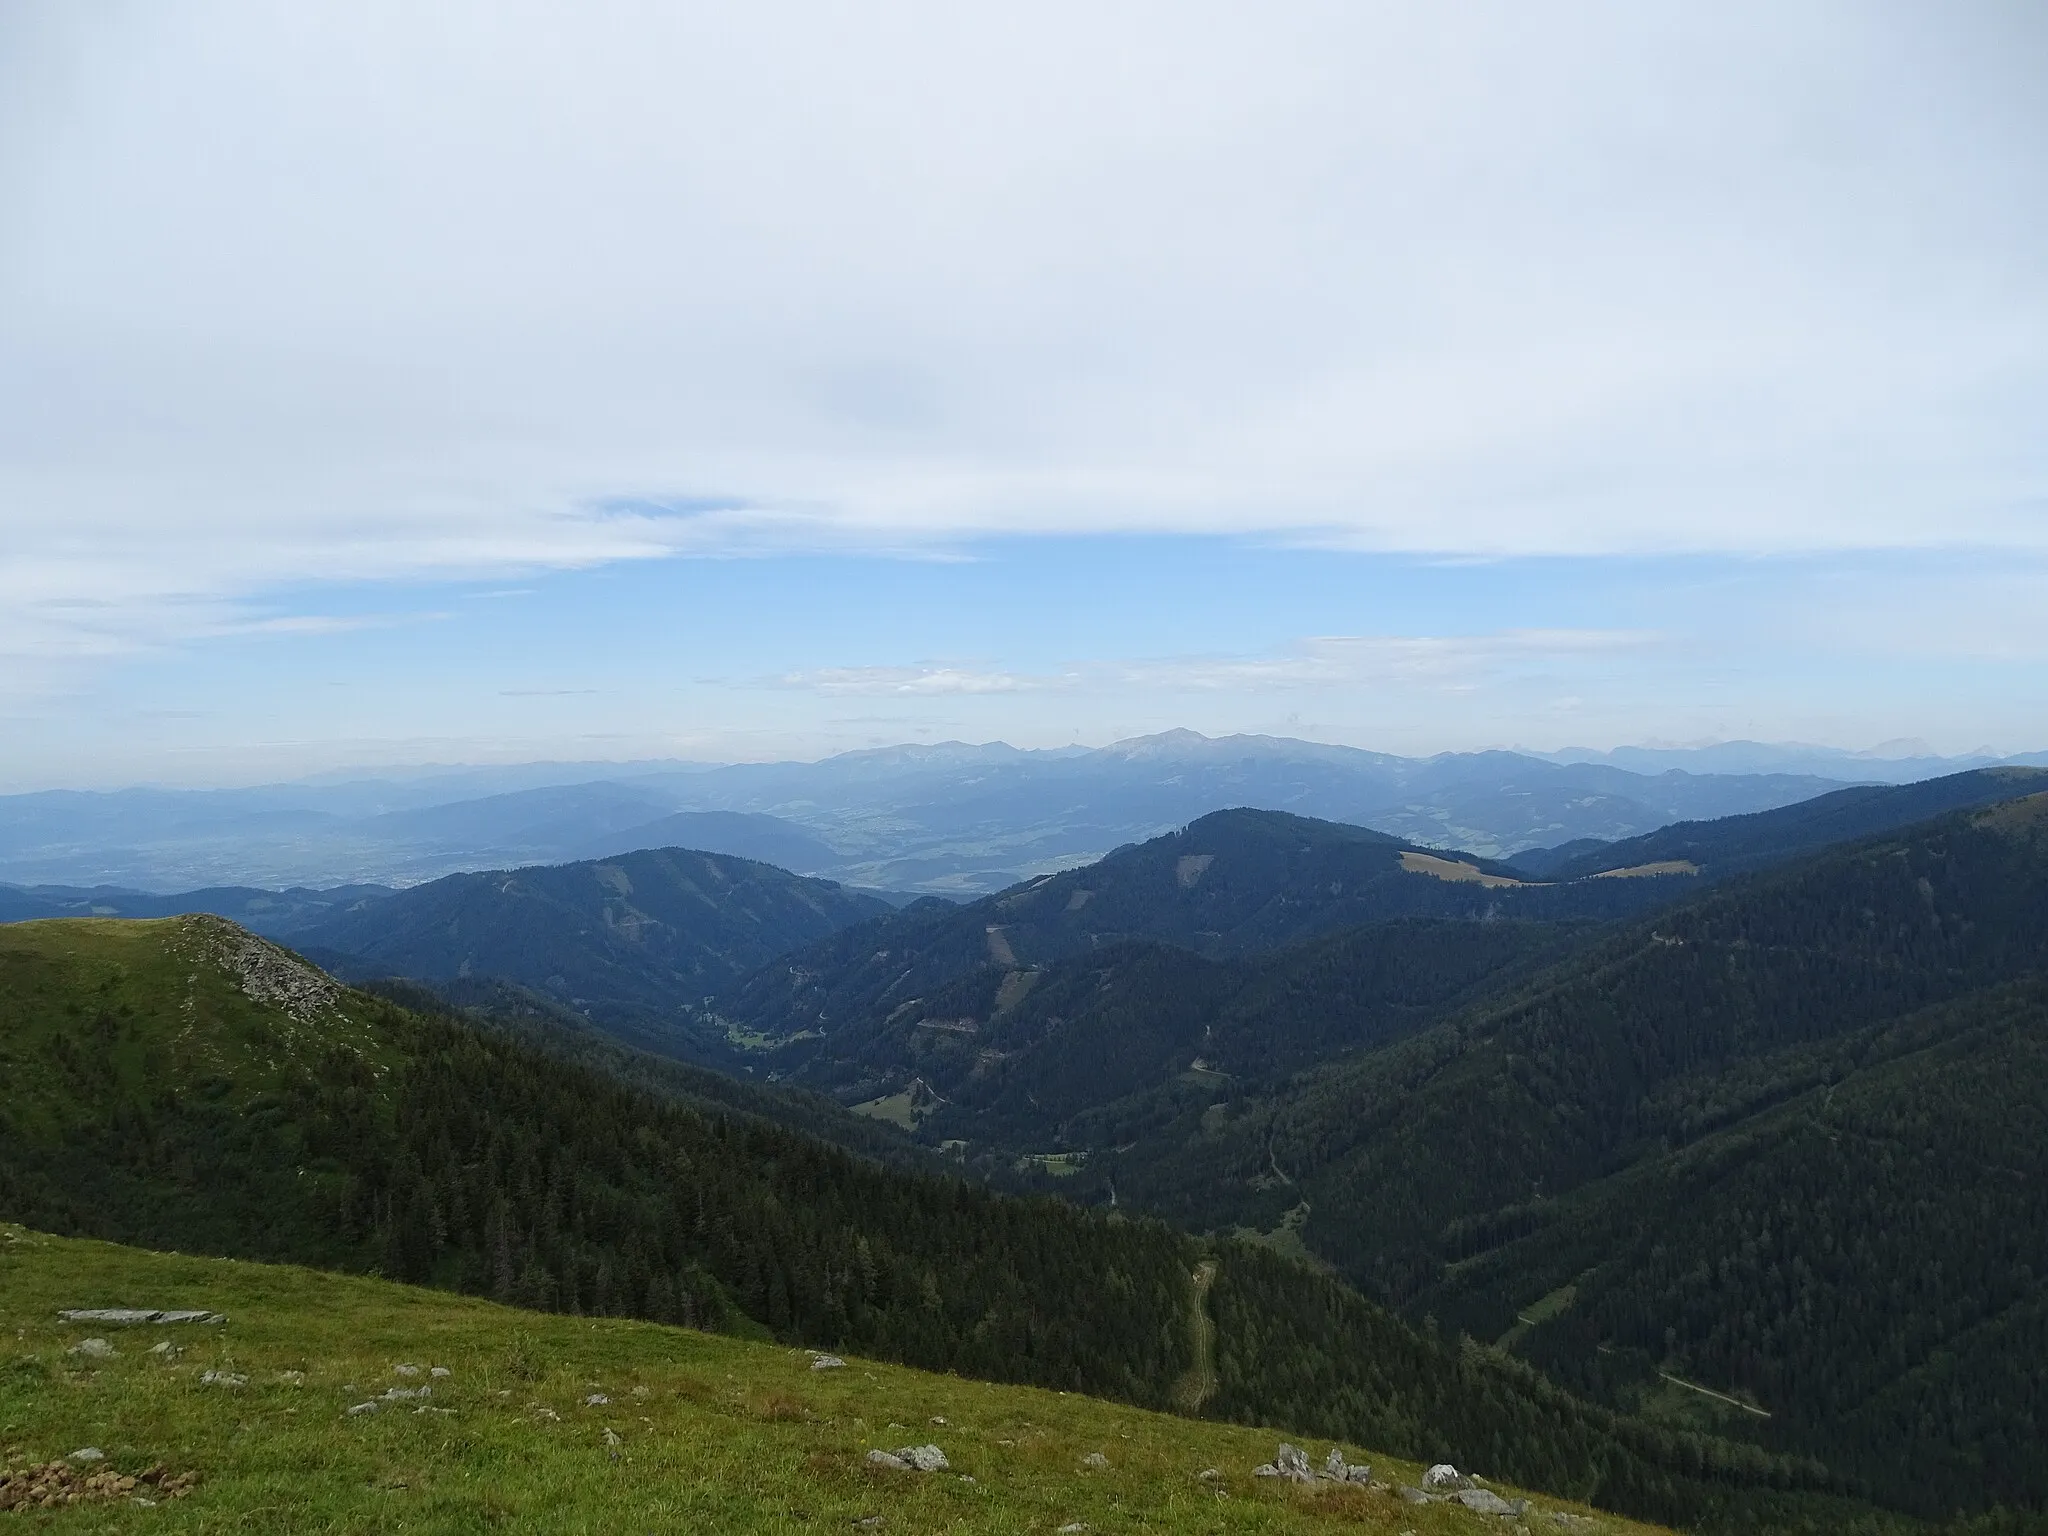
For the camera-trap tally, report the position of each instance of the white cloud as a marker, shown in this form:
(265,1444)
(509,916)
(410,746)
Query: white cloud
(912,682)
(382,291)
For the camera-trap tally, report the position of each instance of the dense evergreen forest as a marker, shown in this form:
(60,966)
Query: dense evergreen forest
(1783,1143)
(345,1131)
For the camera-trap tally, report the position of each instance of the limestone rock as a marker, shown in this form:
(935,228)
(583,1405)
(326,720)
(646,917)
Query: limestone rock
(1443,1477)
(828,1363)
(925,1458)
(1337,1470)
(888,1459)
(130,1317)
(1483,1501)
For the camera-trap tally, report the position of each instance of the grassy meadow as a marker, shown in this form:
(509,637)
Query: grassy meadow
(555,1423)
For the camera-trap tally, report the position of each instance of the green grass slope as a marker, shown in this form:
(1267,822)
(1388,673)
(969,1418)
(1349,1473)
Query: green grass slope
(690,1431)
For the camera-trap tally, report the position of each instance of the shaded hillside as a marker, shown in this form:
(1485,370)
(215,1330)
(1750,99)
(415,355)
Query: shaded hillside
(1735,844)
(1092,1051)
(184,1085)
(1783,1139)
(632,942)
(1235,883)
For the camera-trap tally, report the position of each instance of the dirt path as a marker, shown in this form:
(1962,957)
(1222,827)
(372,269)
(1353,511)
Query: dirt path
(1198,1384)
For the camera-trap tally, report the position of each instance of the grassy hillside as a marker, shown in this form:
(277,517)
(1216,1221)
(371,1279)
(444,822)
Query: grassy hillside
(633,942)
(184,1085)
(695,1432)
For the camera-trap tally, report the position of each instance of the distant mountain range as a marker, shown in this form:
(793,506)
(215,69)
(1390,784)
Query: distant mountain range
(949,819)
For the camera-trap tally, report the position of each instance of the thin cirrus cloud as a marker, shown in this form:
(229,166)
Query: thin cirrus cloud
(384,292)
(1328,661)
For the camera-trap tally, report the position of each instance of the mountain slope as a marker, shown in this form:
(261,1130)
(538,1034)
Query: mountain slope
(566,1425)
(1234,883)
(1741,1143)
(184,1085)
(631,941)
(1735,844)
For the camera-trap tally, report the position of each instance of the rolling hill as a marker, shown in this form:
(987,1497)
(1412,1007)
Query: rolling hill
(633,942)
(1734,844)
(184,1085)
(1234,883)
(1780,1143)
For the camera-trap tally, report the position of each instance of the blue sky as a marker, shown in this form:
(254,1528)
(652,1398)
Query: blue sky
(1056,640)
(381,384)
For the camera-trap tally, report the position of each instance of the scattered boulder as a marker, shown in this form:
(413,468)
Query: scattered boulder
(888,1459)
(925,1458)
(1336,1470)
(165,1349)
(406,1394)
(440,1373)
(131,1317)
(223,1379)
(87,1453)
(92,1349)
(596,1400)
(1443,1477)
(407,1371)
(1289,1462)
(369,1407)
(1417,1496)
(1209,1475)
(1095,1461)
(828,1363)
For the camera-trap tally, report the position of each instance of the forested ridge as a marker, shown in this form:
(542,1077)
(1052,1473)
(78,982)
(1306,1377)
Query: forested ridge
(157,1101)
(1784,1141)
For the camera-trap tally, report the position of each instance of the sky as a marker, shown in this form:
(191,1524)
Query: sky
(489,382)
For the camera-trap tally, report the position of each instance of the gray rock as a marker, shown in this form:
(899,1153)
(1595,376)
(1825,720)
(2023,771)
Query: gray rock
(827,1363)
(888,1459)
(596,1400)
(92,1349)
(1289,1462)
(130,1317)
(1095,1461)
(440,1373)
(87,1453)
(407,1371)
(223,1379)
(925,1458)
(1417,1496)
(362,1408)
(1337,1470)
(406,1394)
(1483,1501)
(1443,1476)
